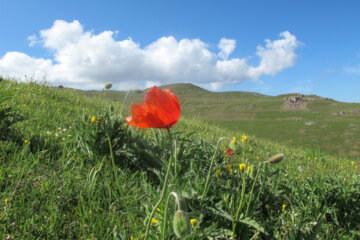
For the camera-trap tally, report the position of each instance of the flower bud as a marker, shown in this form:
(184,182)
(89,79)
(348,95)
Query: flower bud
(108,85)
(252,172)
(276,158)
(182,226)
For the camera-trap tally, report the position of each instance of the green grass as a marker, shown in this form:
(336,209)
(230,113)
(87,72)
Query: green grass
(63,182)
(265,116)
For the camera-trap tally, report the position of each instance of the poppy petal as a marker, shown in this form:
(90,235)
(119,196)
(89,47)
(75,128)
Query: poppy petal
(159,109)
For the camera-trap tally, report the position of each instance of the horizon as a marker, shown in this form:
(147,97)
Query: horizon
(261,47)
(230,91)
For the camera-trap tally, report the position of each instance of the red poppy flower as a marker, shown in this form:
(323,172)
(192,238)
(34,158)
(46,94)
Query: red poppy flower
(159,109)
(229,152)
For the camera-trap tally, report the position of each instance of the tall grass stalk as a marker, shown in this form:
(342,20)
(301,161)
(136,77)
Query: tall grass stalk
(252,189)
(210,168)
(123,104)
(241,202)
(131,217)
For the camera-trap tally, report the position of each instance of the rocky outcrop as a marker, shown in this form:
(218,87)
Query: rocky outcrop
(295,102)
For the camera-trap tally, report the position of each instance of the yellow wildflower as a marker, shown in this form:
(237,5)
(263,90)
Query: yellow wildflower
(142,236)
(284,206)
(158,209)
(248,169)
(315,158)
(218,172)
(257,158)
(309,158)
(154,221)
(26,142)
(6,200)
(352,163)
(93,119)
(90,212)
(131,238)
(244,138)
(234,139)
(242,166)
(193,222)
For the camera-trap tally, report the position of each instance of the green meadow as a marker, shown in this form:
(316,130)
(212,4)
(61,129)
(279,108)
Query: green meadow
(322,124)
(71,168)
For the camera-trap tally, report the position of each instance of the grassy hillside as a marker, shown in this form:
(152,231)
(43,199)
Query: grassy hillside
(70,168)
(319,123)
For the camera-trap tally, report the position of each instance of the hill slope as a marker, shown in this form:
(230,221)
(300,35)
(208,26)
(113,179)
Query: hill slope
(60,179)
(304,120)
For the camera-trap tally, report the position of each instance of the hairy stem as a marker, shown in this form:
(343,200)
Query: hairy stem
(177,200)
(163,190)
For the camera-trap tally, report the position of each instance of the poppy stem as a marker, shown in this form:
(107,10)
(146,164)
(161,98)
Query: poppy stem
(164,187)
(172,150)
(170,137)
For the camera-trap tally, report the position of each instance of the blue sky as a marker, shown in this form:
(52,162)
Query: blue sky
(313,47)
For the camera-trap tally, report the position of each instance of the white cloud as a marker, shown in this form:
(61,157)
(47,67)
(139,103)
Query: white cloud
(85,60)
(63,33)
(226,46)
(19,65)
(276,56)
(215,85)
(32,40)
